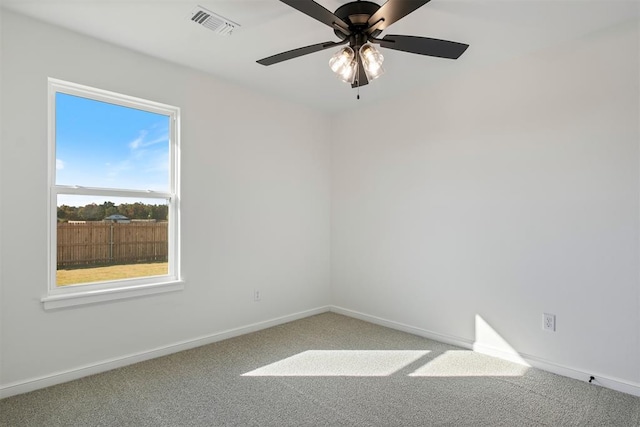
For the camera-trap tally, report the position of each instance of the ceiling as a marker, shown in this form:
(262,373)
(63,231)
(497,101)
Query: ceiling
(496,30)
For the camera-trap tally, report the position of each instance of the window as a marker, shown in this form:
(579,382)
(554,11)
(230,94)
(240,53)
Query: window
(114,196)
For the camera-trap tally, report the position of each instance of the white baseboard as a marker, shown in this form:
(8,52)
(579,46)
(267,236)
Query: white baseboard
(533,361)
(545,365)
(20,387)
(447,339)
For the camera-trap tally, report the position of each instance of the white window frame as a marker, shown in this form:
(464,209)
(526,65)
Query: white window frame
(87,293)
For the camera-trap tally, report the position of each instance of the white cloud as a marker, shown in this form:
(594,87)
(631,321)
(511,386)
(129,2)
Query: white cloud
(161,138)
(144,139)
(147,161)
(59,164)
(138,141)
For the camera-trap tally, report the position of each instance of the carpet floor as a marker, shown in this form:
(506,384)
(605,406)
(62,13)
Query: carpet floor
(325,370)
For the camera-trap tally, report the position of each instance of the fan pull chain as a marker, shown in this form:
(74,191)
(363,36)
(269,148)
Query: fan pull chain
(358,75)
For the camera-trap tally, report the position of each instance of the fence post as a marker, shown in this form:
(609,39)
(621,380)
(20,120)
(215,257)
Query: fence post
(111,244)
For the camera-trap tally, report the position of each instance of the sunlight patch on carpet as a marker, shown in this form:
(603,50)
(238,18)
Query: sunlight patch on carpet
(348,363)
(464,363)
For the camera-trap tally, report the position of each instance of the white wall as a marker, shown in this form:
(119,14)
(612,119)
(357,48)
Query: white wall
(255,203)
(503,195)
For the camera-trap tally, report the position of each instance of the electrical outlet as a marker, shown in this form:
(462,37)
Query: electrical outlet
(256,295)
(549,322)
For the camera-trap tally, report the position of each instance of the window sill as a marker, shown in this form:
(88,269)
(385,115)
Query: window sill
(52,302)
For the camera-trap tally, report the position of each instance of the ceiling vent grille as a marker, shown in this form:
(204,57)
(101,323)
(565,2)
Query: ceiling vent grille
(216,23)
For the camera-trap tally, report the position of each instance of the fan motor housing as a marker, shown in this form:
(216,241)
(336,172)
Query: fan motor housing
(357,15)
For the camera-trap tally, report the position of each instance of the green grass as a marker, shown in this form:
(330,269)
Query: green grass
(112,272)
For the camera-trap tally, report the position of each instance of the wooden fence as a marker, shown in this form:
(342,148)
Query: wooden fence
(103,243)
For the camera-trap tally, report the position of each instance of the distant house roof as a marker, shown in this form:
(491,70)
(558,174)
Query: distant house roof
(116,217)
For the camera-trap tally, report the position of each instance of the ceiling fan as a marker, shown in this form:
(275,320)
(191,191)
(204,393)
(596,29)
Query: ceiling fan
(358,24)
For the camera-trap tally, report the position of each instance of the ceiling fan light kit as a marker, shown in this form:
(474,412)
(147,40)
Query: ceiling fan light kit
(358,24)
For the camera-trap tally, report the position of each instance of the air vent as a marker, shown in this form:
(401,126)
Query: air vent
(216,23)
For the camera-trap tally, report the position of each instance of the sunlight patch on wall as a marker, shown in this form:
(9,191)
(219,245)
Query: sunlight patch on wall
(347,363)
(490,342)
(465,363)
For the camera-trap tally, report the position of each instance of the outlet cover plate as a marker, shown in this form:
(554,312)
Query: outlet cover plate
(549,322)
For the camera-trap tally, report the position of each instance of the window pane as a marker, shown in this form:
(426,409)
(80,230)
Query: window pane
(110,146)
(102,240)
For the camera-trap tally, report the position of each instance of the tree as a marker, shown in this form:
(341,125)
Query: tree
(110,208)
(92,212)
(68,213)
(95,212)
(159,212)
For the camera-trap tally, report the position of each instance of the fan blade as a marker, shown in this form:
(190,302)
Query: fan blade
(317,12)
(392,11)
(297,52)
(424,46)
(361,77)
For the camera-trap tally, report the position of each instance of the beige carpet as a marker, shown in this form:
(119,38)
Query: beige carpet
(326,370)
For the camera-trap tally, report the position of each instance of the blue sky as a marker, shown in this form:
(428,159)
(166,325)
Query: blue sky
(110,146)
